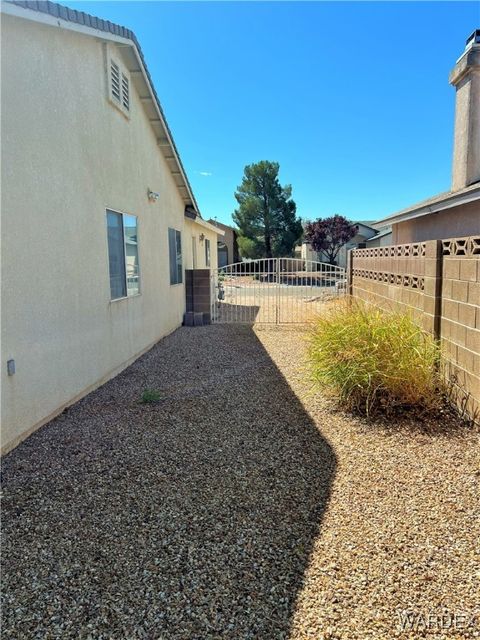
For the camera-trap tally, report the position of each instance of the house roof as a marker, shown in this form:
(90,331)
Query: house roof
(366,223)
(440,202)
(221,225)
(380,234)
(60,16)
(208,225)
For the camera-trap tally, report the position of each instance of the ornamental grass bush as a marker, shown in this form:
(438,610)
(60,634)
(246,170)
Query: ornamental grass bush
(374,360)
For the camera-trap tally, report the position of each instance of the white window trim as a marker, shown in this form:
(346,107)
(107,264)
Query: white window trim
(194,252)
(139,293)
(176,284)
(208,253)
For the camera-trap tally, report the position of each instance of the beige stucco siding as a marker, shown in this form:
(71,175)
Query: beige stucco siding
(460,221)
(380,241)
(67,156)
(193,233)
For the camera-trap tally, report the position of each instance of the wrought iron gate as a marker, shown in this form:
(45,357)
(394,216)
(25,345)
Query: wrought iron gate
(274,290)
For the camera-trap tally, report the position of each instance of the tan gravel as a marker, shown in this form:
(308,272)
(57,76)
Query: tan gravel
(241,505)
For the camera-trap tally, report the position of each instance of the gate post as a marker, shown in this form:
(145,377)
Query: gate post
(432,298)
(349,273)
(198,297)
(277,293)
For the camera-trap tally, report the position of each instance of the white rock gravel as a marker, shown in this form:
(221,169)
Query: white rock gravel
(241,505)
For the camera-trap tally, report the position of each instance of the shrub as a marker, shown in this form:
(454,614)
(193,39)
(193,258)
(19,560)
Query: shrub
(374,360)
(150,396)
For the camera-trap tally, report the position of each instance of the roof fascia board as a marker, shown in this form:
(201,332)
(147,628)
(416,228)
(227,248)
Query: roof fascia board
(165,127)
(362,224)
(435,207)
(379,235)
(207,225)
(47,19)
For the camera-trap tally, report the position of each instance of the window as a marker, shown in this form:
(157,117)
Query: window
(119,86)
(194,252)
(123,255)
(131,255)
(175,253)
(207,252)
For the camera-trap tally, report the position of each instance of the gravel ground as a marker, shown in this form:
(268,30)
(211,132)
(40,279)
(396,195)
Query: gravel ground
(241,505)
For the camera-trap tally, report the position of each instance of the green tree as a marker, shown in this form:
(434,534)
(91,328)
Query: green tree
(266,215)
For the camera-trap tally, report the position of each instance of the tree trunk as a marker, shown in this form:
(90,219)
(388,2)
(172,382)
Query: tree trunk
(268,245)
(266,220)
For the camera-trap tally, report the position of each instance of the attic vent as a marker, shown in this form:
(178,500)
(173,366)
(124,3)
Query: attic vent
(125,92)
(119,90)
(115,81)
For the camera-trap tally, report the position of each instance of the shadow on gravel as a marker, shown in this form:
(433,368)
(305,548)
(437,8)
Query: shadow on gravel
(191,518)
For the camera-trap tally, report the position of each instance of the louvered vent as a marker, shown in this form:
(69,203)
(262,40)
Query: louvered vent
(115,79)
(125,92)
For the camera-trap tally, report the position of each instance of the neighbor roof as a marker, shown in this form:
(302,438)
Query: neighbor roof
(381,234)
(366,223)
(437,203)
(61,16)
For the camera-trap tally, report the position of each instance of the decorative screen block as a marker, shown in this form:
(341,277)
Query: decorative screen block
(412,282)
(416,250)
(461,246)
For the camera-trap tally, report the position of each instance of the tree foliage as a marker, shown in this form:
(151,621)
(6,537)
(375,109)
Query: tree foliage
(248,247)
(266,215)
(328,235)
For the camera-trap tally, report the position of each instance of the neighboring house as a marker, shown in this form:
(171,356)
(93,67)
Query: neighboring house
(98,218)
(204,237)
(227,248)
(382,239)
(365,233)
(455,213)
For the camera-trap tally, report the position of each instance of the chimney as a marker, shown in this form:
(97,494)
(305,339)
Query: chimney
(465,77)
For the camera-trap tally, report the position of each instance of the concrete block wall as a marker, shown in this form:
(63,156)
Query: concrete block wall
(400,277)
(460,318)
(198,292)
(438,282)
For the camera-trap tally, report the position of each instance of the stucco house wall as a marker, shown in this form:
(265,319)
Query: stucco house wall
(382,240)
(67,155)
(195,253)
(227,243)
(458,221)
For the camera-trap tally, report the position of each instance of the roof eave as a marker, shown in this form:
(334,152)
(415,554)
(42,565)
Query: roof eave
(114,34)
(449,200)
(208,225)
(168,140)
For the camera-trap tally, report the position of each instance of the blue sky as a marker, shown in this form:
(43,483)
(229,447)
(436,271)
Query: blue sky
(351,98)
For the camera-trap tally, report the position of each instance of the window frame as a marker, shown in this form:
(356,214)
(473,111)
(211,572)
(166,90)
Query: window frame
(139,292)
(208,255)
(194,252)
(177,233)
